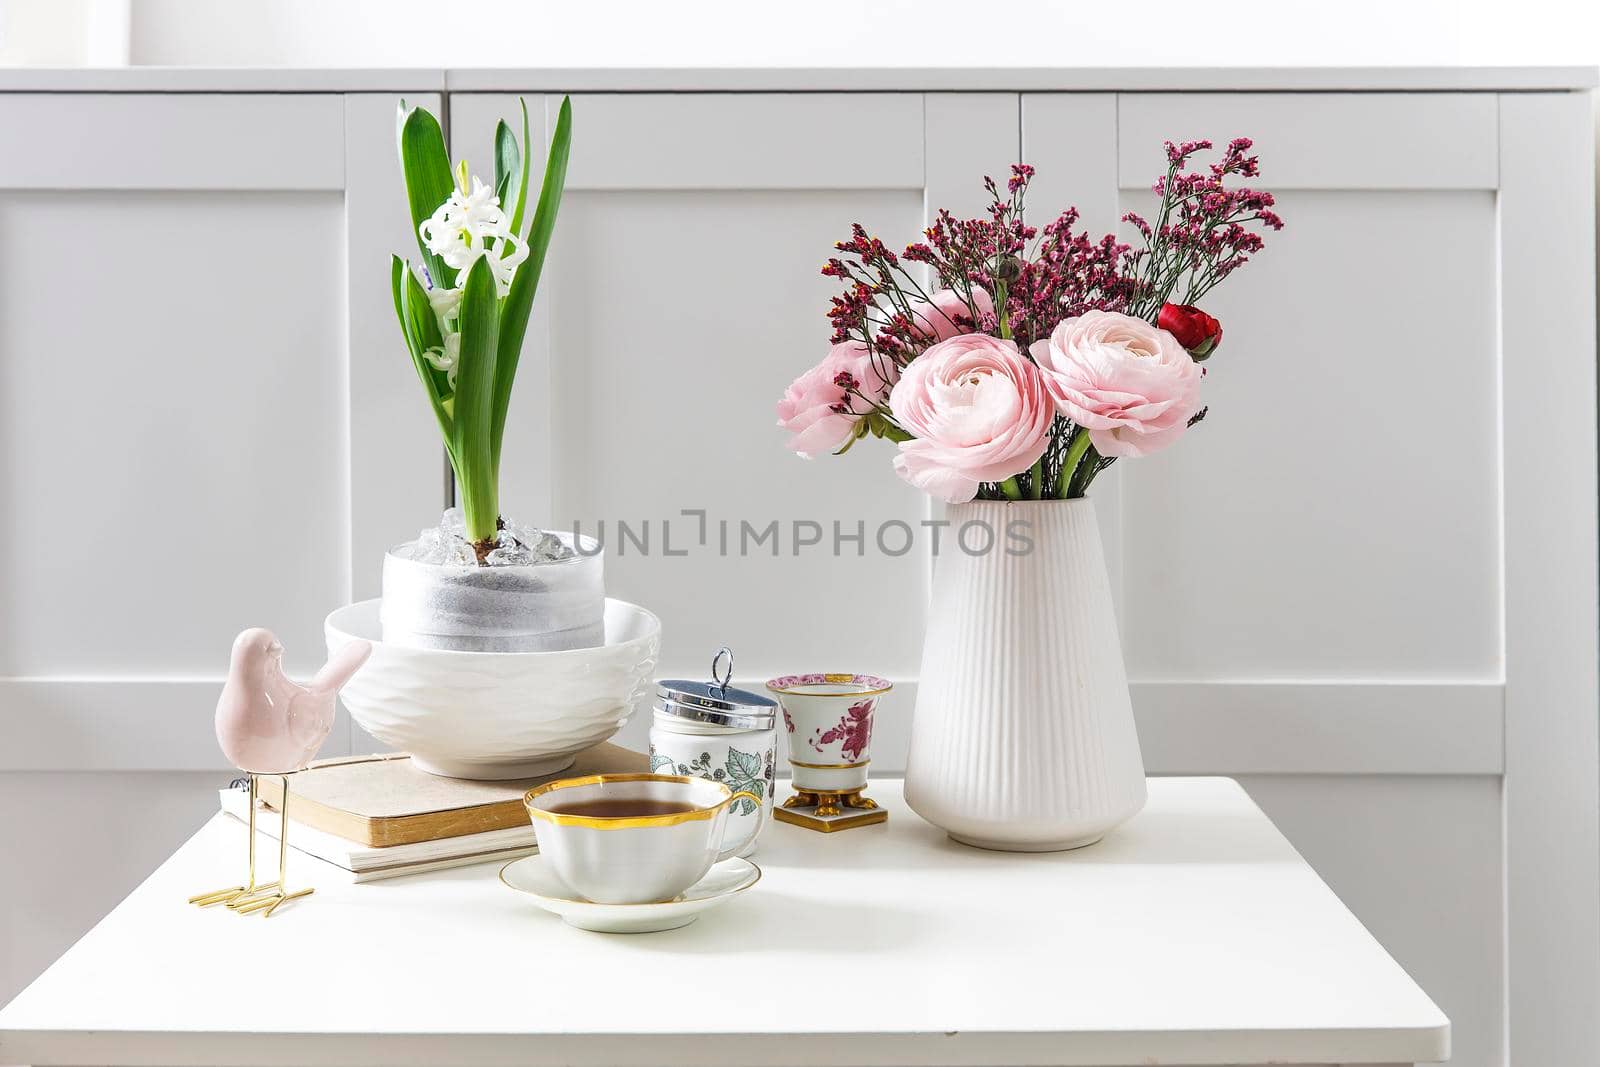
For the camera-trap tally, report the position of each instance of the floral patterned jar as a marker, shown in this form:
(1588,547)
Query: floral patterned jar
(712,730)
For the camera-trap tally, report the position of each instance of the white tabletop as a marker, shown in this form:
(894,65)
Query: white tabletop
(1193,935)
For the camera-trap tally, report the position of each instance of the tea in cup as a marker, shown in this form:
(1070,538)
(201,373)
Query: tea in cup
(632,838)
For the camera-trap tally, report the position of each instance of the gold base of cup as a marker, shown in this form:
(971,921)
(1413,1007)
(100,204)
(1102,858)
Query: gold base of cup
(830,811)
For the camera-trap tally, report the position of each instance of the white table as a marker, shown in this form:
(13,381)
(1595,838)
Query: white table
(1194,935)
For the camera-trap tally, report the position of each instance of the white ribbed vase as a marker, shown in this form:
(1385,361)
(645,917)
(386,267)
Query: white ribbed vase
(1023,737)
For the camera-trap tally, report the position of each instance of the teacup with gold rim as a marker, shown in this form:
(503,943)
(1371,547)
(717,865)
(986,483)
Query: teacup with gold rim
(828,720)
(631,838)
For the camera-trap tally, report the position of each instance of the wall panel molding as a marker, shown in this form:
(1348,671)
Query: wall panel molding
(133,141)
(1184,727)
(1372,141)
(1552,797)
(1320,727)
(119,724)
(777,141)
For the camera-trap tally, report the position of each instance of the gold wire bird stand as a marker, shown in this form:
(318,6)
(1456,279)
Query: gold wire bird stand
(250,898)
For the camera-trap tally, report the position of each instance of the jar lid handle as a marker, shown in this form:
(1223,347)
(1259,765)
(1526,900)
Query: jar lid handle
(726,676)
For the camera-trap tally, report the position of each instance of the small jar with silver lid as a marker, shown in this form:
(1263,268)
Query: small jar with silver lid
(712,730)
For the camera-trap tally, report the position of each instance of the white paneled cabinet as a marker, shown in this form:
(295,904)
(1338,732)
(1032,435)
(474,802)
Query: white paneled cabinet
(1368,581)
(201,419)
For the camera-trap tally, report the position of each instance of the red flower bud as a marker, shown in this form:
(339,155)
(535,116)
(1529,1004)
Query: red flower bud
(1194,329)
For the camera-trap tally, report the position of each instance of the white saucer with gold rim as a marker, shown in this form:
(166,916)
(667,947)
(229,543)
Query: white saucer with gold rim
(534,876)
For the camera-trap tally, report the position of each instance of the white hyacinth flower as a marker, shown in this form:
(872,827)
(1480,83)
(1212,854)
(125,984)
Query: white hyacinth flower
(469,226)
(446,358)
(446,303)
(505,258)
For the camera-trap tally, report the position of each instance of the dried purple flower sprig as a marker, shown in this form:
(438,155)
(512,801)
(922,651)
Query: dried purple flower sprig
(1204,228)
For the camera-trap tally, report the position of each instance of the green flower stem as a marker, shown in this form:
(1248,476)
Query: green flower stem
(1009,487)
(474,400)
(1086,472)
(1069,466)
(1035,476)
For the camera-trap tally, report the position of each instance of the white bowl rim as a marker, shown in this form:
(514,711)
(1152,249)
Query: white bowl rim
(332,625)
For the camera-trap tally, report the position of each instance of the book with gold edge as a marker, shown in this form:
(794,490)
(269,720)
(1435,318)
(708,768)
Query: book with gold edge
(385,800)
(364,863)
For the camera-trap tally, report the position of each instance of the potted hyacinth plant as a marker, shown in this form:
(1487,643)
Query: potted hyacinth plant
(479,581)
(1010,366)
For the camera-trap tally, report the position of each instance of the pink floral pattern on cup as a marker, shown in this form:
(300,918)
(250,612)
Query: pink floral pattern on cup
(854,729)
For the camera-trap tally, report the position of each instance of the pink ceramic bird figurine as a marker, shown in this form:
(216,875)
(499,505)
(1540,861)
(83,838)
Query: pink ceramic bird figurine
(269,724)
(266,722)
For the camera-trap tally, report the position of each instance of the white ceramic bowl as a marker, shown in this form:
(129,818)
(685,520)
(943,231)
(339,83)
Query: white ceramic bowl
(498,715)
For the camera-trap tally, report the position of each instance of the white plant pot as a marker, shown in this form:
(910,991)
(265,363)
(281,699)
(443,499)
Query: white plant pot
(536,607)
(1023,738)
(498,715)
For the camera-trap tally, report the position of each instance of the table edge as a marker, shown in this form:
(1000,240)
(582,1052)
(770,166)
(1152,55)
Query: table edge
(1415,1044)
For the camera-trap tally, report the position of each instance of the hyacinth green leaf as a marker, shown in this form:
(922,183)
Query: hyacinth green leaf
(405,312)
(555,180)
(420,323)
(426,166)
(522,178)
(474,403)
(416,342)
(519,302)
(507,165)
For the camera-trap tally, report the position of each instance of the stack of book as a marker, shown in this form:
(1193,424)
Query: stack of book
(380,817)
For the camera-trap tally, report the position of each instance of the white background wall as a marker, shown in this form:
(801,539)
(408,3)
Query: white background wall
(621,33)
(886,32)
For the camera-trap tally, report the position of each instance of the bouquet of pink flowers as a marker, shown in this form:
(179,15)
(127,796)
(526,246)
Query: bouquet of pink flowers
(1039,356)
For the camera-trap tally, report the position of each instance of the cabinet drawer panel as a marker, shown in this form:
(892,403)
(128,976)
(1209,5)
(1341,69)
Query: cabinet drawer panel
(144,141)
(1316,141)
(746,141)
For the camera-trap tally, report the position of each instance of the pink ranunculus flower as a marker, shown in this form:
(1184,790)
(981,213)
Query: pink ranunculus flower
(979,412)
(817,409)
(936,318)
(1130,384)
